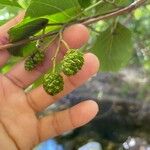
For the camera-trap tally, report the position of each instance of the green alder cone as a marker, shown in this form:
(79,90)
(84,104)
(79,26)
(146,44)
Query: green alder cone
(35,59)
(29,64)
(53,83)
(72,62)
(38,56)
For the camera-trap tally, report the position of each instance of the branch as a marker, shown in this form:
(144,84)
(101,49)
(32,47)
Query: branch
(119,12)
(86,21)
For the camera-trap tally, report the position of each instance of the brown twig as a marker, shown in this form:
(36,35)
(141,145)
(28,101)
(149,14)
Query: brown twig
(86,21)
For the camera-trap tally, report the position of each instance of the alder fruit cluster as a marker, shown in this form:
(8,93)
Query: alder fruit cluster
(53,82)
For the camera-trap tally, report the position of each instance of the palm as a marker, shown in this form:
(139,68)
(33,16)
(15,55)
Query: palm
(19,126)
(17,117)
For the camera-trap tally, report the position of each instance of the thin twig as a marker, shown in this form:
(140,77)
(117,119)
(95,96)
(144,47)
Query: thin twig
(25,41)
(86,21)
(56,54)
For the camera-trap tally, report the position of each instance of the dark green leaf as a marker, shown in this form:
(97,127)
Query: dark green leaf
(84,3)
(27,29)
(114,49)
(23,50)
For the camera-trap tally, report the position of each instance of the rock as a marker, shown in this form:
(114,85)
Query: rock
(91,146)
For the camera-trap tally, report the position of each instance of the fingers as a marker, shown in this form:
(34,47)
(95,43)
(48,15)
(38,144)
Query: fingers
(66,120)
(79,35)
(4,55)
(39,99)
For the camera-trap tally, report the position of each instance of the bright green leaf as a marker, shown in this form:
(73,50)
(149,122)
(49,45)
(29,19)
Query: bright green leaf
(114,49)
(40,8)
(24,3)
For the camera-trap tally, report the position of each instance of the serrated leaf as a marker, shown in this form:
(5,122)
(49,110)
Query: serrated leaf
(40,8)
(114,49)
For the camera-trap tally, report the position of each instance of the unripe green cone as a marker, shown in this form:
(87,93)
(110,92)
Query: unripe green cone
(29,64)
(53,83)
(38,56)
(35,59)
(72,62)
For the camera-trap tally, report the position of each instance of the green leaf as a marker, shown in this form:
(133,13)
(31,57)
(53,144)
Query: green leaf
(23,31)
(24,3)
(123,3)
(84,3)
(24,50)
(26,29)
(60,18)
(40,8)
(10,3)
(114,49)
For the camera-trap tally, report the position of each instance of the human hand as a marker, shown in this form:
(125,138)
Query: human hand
(20,129)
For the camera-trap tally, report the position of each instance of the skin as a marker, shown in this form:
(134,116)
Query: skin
(19,126)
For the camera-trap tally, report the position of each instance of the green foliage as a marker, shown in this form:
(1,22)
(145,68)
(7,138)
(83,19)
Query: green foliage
(114,48)
(24,3)
(140,26)
(105,7)
(30,26)
(26,29)
(10,3)
(23,31)
(113,45)
(85,3)
(50,7)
